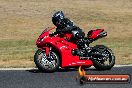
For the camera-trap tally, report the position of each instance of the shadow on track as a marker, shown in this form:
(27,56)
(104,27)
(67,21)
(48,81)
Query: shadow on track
(62,70)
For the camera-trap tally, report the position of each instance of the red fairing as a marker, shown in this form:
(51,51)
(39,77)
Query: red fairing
(44,35)
(63,47)
(95,33)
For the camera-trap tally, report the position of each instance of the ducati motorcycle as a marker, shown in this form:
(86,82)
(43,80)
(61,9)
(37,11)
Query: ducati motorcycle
(59,51)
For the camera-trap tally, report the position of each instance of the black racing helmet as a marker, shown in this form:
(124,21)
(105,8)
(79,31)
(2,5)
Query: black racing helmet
(57,18)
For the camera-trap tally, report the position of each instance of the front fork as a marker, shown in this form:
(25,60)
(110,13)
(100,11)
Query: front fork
(47,59)
(46,50)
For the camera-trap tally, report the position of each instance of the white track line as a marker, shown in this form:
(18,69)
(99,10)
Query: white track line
(36,68)
(122,65)
(17,68)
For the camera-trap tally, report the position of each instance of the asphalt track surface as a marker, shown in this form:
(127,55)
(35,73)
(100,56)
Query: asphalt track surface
(60,79)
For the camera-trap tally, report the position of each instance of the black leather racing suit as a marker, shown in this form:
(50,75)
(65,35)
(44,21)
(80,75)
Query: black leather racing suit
(67,26)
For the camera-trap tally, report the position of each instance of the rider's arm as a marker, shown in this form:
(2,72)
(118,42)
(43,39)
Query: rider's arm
(68,29)
(58,31)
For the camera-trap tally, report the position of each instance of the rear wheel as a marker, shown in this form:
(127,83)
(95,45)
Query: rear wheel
(107,61)
(46,63)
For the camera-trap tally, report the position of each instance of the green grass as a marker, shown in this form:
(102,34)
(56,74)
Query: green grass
(14,47)
(17,53)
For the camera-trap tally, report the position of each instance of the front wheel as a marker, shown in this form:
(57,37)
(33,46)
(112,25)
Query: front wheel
(107,61)
(47,63)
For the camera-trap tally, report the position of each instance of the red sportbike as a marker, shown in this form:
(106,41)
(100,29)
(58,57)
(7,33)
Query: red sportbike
(58,51)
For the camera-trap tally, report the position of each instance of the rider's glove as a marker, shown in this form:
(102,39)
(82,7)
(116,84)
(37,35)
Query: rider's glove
(52,34)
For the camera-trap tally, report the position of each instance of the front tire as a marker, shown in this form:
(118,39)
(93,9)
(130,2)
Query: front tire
(45,63)
(100,64)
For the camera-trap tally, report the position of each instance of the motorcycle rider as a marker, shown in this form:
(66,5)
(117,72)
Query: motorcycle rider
(64,25)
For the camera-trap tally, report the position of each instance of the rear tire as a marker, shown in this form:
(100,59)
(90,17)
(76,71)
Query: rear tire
(41,63)
(102,66)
